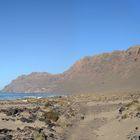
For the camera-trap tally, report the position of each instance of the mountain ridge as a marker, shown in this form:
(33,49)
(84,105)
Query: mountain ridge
(118,70)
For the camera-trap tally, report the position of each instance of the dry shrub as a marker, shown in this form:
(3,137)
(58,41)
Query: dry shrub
(51,115)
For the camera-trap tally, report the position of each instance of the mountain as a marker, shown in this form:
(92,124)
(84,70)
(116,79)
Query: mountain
(115,71)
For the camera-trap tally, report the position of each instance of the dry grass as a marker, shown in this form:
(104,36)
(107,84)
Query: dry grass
(138,108)
(134,102)
(125,116)
(51,115)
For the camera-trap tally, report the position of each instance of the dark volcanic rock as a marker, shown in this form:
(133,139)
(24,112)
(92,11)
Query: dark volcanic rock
(4,134)
(4,131)
(6,137)
(11,111)
(28,120)
(121,110)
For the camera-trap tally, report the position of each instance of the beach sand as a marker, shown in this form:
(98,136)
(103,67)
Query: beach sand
(80,117)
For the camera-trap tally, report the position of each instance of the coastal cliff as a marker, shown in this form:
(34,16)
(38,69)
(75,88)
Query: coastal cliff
(115,71)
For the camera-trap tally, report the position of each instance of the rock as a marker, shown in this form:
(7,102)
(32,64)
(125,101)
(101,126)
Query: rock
(6,137)
(34,110)
(138,114)
(30,119)
(23,119)
(82,117)
(134,135)
(47,122)
(4,131)
(18,129)
(33,117)
(50,126)
(41,119)
(11,111)
(39,130)
(5,119)
(51,135)
(121,110)
(26,128)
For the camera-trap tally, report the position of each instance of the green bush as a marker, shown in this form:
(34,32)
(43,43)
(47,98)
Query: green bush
(39,136)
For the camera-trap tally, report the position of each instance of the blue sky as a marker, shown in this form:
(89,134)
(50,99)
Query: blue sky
(50,35)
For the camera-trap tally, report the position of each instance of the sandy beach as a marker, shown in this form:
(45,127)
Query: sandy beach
(80,117)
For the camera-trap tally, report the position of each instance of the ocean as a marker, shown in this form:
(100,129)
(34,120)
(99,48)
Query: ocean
(14,96)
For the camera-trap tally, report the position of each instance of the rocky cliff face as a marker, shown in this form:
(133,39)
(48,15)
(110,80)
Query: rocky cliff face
(116,71)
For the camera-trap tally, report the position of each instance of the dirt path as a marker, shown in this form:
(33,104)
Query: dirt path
(85,129)
(95,117)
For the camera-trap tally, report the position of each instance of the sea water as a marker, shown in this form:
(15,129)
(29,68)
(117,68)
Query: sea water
(14,96)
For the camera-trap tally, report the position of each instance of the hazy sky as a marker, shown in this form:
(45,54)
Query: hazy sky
(50,35)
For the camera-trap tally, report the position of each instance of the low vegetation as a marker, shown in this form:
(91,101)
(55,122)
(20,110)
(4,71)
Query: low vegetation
(51,115)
